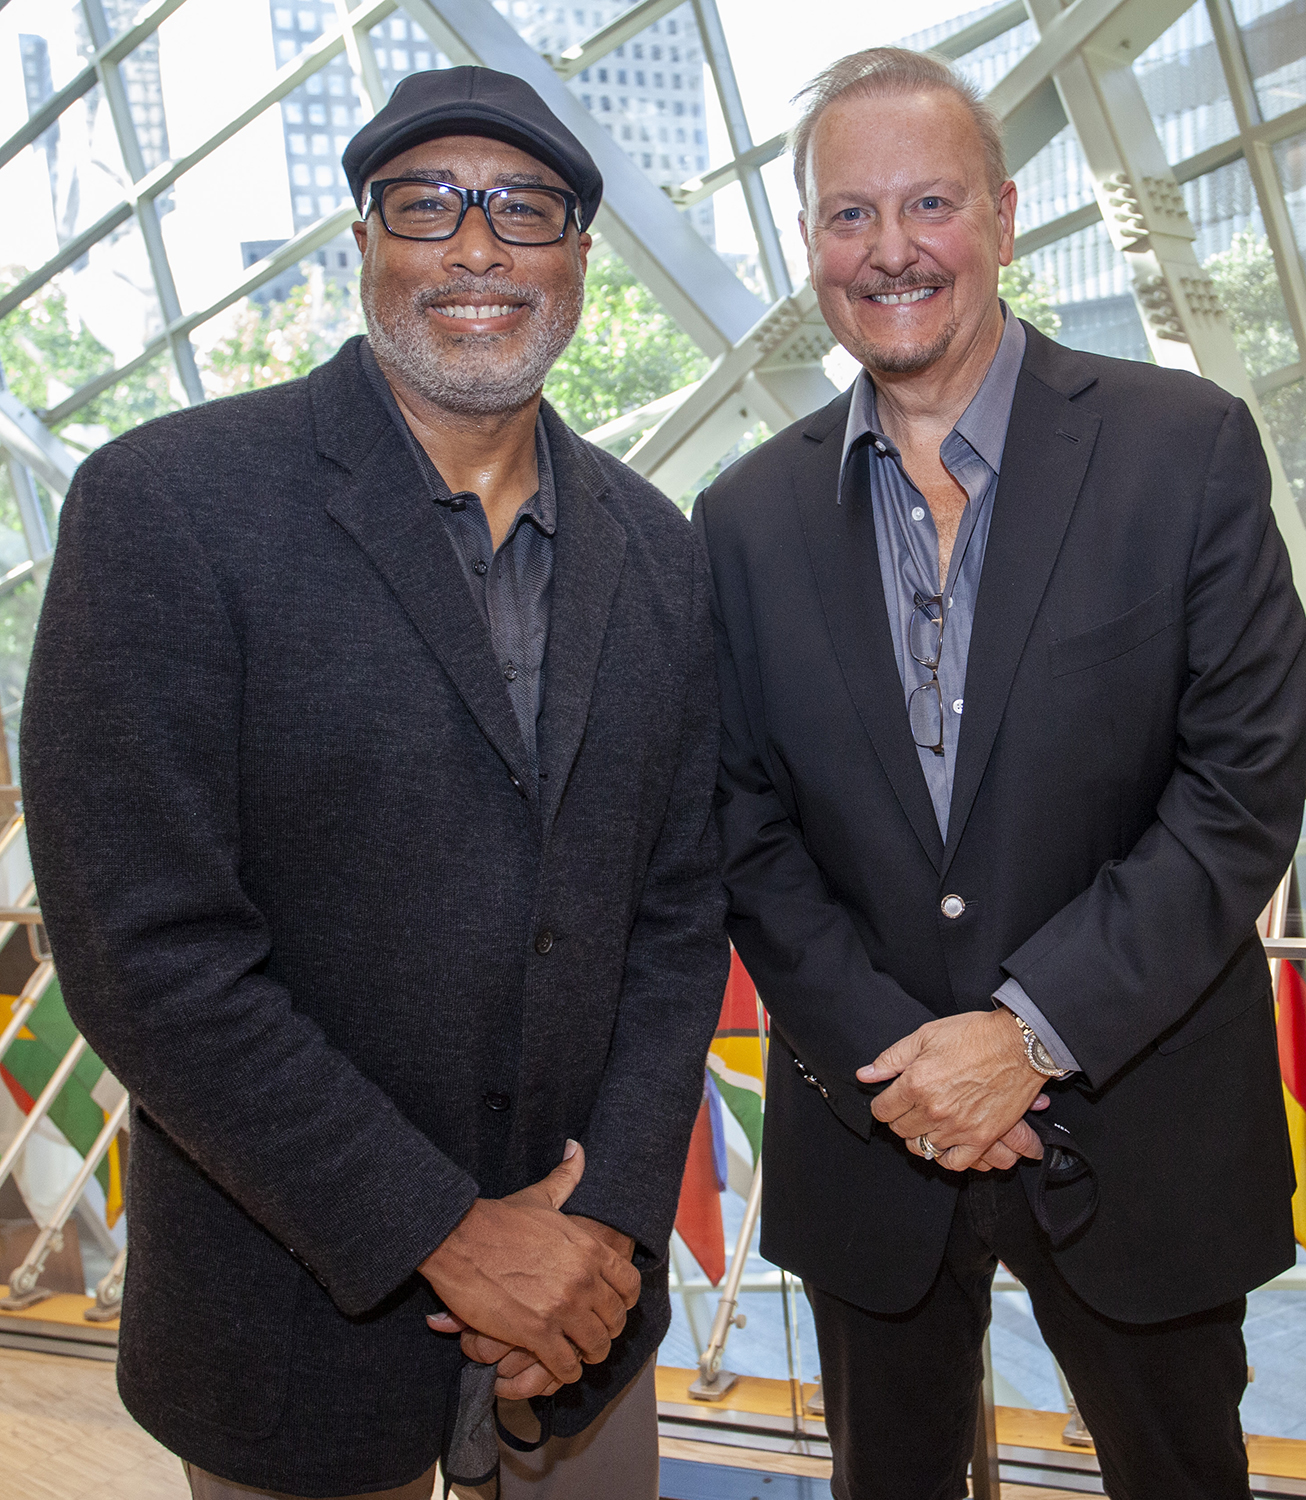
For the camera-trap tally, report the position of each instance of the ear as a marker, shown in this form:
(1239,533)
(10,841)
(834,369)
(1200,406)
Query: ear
(584,244)
(359,226)
(1006,223)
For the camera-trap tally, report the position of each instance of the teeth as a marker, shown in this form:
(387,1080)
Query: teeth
(889,299)
(464,310)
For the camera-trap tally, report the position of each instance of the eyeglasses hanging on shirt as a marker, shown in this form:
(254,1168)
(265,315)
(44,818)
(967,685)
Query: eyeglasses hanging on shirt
(925,641)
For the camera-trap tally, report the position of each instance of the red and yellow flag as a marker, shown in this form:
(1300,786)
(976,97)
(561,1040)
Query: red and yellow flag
(1292,1064)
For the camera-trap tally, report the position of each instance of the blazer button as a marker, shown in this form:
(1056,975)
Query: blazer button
(952,906)
(498,1102)
(543,940)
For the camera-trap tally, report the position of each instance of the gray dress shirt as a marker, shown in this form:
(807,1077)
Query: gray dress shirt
(908,544)
(513,586)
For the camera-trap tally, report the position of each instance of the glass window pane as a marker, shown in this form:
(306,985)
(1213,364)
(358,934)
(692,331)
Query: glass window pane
(1053,182)
(1185,89)
(1231,245)
(1290,158)
(1086,280)
(1274,38)
(986,65)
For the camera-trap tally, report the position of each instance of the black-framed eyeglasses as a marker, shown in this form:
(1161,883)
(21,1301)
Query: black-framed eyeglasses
(418,208)
(925,642)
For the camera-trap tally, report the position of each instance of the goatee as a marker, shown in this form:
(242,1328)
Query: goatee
(475,375)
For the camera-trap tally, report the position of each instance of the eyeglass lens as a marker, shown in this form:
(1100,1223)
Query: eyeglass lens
(925,632)
(925,714)
(430,211)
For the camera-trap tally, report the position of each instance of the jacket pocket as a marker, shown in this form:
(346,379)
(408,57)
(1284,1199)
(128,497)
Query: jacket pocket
(209,1305)
(1113,638)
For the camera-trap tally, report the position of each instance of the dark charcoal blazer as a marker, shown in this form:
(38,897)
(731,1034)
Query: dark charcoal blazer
(297,880)
(1128,790)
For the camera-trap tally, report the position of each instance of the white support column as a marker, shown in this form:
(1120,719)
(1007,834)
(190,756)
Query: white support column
(147,213)
(663,249)
(772,375)
(1259,156)
(362,59)
(713,35)
(1143,207)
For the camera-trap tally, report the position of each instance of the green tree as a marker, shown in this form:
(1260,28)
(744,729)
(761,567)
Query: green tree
(626,353)
(47,352)
(1248,285)
(283,340)
(1028,298)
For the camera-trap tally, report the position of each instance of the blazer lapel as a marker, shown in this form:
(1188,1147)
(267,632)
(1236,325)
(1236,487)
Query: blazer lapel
(1049,443)
(841,544)
(588,556)
(385,507)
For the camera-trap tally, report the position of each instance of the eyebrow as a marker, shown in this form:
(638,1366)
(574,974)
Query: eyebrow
(916,189)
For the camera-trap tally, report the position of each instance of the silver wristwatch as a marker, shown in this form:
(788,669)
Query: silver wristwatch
(1036,1054)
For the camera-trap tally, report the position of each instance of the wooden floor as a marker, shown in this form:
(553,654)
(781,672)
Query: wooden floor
(64,1435)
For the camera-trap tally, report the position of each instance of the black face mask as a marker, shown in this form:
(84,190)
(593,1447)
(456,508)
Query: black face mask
(1062,1187)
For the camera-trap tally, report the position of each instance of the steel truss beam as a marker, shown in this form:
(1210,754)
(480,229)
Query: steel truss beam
(627,25)
(1143,207)
(774,269)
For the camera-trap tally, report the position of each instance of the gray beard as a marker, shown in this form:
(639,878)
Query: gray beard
(474,375)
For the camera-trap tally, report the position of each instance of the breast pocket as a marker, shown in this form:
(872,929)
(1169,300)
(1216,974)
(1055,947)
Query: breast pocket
(1113,638)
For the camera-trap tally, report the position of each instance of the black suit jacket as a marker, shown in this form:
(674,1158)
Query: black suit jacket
(296,875)
(1128,790)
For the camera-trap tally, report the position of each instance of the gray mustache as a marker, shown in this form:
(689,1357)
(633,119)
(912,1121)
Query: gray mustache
(483,290)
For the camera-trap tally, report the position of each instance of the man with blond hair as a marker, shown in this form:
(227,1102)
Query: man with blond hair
(1014,696)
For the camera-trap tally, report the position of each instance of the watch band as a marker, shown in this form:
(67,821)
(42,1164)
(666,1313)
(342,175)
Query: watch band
(1036,1054)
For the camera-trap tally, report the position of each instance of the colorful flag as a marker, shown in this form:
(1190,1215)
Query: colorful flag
(698,1214)
(1292,1065)
(27,1067)
(735,1059)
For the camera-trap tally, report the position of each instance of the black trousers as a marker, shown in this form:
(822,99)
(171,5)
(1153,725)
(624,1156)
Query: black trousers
(902,1391)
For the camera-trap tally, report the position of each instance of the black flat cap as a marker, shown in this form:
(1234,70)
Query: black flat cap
(472,101)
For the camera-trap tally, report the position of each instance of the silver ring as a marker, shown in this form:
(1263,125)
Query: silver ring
(927,1148)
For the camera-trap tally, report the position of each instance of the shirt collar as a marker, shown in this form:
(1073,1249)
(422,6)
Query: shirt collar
(541,508)
(984,422)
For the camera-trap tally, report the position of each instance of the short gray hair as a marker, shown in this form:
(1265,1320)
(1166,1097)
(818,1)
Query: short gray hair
(879,72)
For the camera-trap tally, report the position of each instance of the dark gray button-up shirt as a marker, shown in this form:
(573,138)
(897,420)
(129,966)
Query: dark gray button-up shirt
(513,586)
(908,544)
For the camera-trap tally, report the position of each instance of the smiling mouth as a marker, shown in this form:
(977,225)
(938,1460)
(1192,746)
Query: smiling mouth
(476,312)
(897,299)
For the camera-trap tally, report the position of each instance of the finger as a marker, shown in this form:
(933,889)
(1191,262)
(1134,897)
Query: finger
(590,1337)
(961,1158)
(624,1279)
(893,1059)
(1041,1102)
(999,1156)
(445,1322)
(562,1182)
(484,1349)
(1022,1140)
(515,1362)
(558,1355)
(534,1381)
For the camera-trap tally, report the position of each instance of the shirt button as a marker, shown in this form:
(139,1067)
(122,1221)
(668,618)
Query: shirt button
(952,906)
(917,513)
(510,672)
(958,704)
(880,448)
(497,1102)
(543,940)
(480,568)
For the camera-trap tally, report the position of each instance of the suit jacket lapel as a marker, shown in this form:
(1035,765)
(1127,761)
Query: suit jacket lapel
(588,557)
(1049,443)
(841,544)
(385,507)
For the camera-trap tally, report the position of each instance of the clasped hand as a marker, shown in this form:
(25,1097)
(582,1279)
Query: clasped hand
(964,1081)
(531,1289)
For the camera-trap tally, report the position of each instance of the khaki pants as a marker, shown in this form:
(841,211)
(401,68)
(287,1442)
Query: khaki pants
(615,1458)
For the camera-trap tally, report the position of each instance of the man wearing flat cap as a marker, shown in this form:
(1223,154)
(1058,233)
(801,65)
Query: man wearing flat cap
(368,756)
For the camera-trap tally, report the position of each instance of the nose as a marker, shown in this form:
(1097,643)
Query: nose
(474,249)
(893,248)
